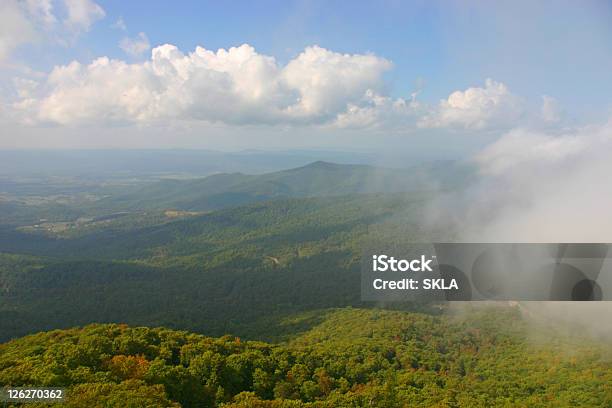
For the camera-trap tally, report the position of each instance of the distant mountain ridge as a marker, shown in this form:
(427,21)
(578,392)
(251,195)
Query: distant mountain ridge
(317,179)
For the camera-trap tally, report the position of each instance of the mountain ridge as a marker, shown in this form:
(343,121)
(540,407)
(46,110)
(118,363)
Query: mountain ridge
(316,179)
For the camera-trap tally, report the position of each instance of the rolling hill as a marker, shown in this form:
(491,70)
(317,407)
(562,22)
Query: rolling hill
(238,270)
(275,260)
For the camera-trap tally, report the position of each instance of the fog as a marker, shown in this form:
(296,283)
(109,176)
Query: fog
(540,186)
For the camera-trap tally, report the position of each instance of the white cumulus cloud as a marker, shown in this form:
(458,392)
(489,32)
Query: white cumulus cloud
(235,86)
(380,112)
(491,106)
(239,86)
(326,81)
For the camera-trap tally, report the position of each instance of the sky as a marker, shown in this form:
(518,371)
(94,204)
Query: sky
(442,78)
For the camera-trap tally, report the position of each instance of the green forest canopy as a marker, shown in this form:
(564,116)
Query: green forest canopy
(352,358)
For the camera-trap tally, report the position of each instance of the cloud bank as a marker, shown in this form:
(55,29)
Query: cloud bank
(239,86)
(234,86)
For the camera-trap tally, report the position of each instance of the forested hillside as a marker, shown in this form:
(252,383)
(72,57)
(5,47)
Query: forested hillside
(233,271)
(277,285)
(351,358)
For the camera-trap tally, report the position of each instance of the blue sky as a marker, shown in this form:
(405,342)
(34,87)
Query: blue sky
(558,49)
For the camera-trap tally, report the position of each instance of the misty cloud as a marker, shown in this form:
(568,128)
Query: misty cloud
(135,46)
(17,24)
(26,22)
(537,186)
(550,111)
(540,186)
(550,187)
(81,14)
